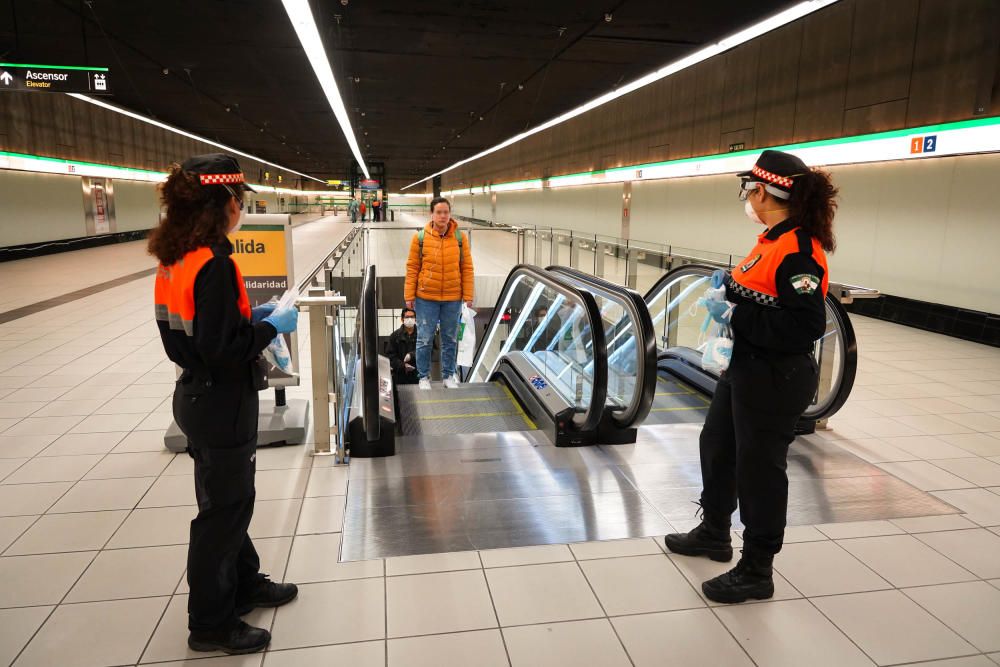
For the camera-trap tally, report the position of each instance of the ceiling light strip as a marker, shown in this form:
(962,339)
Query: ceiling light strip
(170,128)
(756,30)
(301,16)
(41,164)
(980,135)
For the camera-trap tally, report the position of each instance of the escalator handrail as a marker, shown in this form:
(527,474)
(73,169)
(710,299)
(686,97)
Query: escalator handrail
(646,373)
(367,326)
(849,366)
(599,388)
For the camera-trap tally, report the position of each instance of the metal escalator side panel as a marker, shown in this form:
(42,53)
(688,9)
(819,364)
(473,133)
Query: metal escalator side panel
(511,329)
(842,349)
(368,353)
(633,331)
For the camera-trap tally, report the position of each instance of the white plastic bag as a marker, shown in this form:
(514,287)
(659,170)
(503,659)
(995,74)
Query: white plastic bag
(717,346)
(466,337)
(276,353)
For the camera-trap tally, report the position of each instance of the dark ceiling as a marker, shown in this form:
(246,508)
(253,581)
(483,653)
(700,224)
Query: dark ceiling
(426,82)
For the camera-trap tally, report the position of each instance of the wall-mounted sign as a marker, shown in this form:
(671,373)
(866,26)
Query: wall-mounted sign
(737,147)
(332,181)
(54,79)
(368,184)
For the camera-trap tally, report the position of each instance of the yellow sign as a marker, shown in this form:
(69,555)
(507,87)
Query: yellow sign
(333,182)
(260,251)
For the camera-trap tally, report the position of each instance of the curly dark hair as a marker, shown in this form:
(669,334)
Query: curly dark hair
(814,203)
(196,216)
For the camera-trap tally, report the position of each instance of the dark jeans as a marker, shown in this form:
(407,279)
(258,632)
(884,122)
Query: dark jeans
(220,422)
(744,444)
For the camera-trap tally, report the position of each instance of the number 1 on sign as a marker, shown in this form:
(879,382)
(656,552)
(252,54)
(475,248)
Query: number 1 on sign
(917,145)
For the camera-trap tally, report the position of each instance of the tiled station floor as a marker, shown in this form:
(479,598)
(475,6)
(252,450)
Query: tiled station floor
(94,516)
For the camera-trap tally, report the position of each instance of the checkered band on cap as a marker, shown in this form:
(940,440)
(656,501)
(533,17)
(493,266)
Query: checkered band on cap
(783,181)
(220,179)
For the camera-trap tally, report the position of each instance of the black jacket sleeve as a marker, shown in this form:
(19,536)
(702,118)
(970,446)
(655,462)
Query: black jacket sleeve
(800,318)
(395,360)
(222,336)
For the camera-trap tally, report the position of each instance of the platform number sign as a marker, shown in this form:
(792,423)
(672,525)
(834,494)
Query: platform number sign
(926,144)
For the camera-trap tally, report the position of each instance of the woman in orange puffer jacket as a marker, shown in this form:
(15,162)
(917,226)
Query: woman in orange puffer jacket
(439,278)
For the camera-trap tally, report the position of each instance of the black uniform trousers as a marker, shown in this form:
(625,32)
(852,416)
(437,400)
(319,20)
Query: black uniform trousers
(220,422)
(744,444)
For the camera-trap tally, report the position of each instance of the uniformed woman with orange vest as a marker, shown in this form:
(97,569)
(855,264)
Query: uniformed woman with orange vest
(775,309)
(209,329)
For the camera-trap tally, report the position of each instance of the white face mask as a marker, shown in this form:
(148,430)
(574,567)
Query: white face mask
(752,214)
(410,322)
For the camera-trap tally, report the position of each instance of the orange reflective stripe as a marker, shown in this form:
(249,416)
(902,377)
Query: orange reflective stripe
(756,274)
(173,294)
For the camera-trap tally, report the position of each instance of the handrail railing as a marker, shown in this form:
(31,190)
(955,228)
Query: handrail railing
(645,349)
(847,362)
(367,326)
(598,395)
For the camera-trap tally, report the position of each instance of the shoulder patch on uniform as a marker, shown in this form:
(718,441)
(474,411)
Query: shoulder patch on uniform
(749,265)
(805,283)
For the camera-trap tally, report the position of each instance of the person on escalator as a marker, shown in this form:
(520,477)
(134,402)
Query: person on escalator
(775,309)
(439,279)
(402,351)
(208,328)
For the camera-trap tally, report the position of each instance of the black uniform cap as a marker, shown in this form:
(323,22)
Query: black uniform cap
(777,171)
(216,169)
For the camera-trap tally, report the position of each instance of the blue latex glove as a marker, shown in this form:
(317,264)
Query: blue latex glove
(719,278)
(720,311)
(284,321)
(262,311)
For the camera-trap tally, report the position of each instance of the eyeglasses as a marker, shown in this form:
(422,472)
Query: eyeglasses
(746,187)
(237,195)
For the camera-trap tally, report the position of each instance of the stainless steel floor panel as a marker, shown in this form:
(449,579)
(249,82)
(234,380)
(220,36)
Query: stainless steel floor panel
(421,529)
(478,461)
(811,501)
(471,408)
(406,444)
(506,485)
(481,491)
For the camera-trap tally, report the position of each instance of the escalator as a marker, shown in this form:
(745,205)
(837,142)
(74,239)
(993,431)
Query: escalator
(541,365)
(685,389)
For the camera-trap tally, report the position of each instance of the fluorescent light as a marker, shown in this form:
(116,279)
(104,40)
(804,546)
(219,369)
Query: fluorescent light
(782,18)
(300,14)
(184,133)
(979,135)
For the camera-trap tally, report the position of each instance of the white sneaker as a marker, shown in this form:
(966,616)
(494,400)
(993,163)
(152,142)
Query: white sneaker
(425,383)
(450,382)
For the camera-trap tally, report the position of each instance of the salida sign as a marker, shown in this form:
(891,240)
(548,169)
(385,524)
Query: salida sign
(20,77)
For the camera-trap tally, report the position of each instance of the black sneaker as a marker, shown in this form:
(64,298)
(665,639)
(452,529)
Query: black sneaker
(703,540)
(266,594)
(238,640)
(751,579)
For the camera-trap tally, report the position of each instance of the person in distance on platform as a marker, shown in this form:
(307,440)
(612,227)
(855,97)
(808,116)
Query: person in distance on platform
(439,278)
(353,208)
(775,309)
(208,329)
(403,349)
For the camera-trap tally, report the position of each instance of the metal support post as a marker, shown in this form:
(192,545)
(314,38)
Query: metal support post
(323,393)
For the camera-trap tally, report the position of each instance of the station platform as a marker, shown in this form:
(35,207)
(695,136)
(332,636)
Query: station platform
(94,513)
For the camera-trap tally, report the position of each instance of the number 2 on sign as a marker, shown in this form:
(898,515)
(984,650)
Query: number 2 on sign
(930,143)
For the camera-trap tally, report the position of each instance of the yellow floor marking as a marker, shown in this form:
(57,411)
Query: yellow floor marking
(524,415)
(692,407)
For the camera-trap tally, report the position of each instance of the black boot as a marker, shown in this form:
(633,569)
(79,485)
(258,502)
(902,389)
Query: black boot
(240,638)
(265,593)
(752,578)
(712,540)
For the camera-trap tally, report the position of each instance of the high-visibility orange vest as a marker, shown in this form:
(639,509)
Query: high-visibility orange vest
(173,294)
(756,274)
